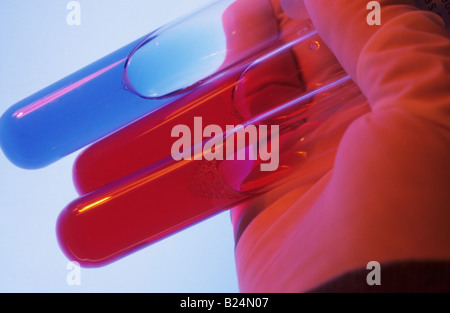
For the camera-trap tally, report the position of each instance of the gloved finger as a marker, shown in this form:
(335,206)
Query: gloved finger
(386,198)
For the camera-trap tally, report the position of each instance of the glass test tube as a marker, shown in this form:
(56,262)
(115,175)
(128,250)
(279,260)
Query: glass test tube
(135,193)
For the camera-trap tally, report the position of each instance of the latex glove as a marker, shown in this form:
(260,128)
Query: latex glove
(384,195)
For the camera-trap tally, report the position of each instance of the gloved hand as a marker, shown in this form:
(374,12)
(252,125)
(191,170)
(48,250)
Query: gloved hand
(383,196)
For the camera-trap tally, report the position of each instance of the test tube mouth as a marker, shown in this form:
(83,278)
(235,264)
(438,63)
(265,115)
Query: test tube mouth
(220,39)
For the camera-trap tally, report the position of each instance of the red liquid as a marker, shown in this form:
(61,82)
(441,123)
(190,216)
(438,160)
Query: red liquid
(149,140)
(150,204)
(114,221)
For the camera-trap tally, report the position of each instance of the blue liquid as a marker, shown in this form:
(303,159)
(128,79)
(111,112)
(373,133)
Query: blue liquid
(72,113)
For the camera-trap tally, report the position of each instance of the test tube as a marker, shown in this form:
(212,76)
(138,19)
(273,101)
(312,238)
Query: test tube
(135,193)
(292,59)
(72,113)
(82,107)
(168,196)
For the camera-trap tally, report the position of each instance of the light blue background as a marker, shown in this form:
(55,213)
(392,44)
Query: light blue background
(37,48)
